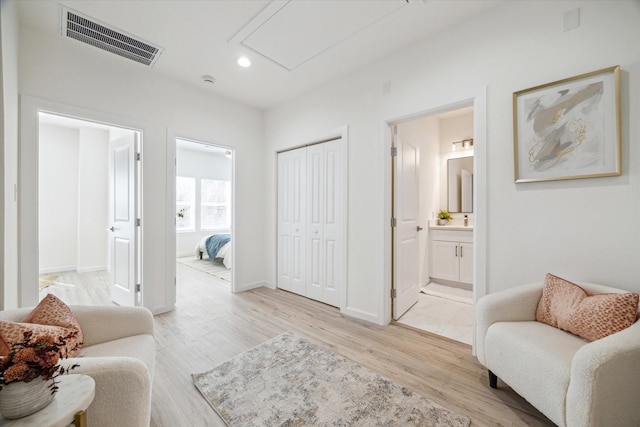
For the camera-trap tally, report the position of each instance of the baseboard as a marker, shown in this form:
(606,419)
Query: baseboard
(161,309)
(249,286)
(58,269)
(181,255)
(459,285)
(268,284)
(92,269)
(359,314)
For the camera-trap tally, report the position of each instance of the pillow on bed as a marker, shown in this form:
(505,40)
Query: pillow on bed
(569,307)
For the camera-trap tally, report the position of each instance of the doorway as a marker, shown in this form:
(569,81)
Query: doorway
(204,210)
(428,290)
(88,211)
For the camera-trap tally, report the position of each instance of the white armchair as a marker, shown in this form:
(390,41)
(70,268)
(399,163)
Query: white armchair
(574,382)
(119,354)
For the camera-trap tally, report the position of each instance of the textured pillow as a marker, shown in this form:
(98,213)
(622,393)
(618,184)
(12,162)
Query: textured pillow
(12,332)
(52,311)
(567,306)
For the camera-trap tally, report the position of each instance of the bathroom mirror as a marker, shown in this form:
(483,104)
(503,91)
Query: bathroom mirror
(460,184)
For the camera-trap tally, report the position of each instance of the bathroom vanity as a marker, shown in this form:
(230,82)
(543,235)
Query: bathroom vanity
(451,253)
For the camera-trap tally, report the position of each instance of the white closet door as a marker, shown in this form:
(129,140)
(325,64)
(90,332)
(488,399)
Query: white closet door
(311,259)
(315,222)
(284,220)
(291,220)
(333,220)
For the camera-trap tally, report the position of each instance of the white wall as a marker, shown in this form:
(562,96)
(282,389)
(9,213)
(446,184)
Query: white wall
(9,155)
(199,165)
(58,198)
(73,196)
(563,227)
(85,77)
(93,193)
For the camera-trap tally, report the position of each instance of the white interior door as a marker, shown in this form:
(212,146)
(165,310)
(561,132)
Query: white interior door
(291,220)
(406,243)
(333,268)
(315,223)
(122,233)
(311,236)
(324,222)
(284,221)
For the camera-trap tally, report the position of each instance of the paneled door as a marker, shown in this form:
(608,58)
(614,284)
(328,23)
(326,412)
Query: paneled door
(315,217)
(123,235)
(292,175)
(324,210)
(406,212)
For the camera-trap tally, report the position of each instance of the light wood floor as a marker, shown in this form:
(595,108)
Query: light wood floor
(211,325)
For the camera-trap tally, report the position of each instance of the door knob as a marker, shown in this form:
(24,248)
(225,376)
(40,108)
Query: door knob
(418,228)
(111,229)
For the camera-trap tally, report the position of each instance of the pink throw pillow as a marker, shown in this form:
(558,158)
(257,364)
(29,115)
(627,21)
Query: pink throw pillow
(567,306)
(50,317)
(13,332)
(52,311)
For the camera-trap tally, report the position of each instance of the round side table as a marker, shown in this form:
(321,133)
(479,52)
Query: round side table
(74,395)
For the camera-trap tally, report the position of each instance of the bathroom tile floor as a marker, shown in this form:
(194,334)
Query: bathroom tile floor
(442,316)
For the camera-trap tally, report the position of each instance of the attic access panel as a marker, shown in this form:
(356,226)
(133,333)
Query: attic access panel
(291,33)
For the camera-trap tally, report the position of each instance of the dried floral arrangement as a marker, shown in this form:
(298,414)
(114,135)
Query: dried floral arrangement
(34,357)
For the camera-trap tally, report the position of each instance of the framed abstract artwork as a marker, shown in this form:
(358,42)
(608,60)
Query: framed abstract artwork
(568,129)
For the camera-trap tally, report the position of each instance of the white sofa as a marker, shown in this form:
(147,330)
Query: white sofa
(575,383)
(119,354)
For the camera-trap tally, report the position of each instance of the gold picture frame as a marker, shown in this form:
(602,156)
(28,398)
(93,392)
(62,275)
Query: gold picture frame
(568,129)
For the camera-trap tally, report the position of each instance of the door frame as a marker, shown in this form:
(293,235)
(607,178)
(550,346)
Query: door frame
(170,263)
(28,264)
(478,99)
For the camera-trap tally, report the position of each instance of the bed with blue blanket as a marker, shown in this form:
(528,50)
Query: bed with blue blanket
(217,247)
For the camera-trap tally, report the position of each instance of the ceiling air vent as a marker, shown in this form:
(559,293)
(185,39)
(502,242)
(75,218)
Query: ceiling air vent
(88,30)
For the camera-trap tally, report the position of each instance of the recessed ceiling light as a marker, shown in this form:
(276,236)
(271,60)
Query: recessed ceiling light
(244,62)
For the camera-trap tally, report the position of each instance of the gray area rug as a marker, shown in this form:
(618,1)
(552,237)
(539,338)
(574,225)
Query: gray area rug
(289,381)
(216,268)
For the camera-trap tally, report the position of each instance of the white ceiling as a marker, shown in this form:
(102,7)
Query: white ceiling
(294,45)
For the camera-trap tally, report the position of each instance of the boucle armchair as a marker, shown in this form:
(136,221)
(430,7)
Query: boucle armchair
(119,354)
(574,382)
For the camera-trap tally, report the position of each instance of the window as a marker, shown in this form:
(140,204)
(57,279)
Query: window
(185,203)
(215,204)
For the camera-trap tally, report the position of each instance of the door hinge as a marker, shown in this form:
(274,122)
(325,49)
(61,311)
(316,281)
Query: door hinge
(138,287)
(393,293)
(394,222)
(138,157)
(138,222)
(394,151)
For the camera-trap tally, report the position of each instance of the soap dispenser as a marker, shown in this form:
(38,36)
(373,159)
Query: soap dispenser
(466,220)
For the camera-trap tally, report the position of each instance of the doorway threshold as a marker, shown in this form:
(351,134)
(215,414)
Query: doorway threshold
(441,316)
